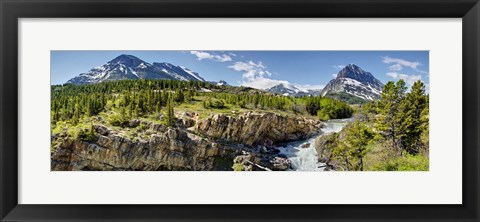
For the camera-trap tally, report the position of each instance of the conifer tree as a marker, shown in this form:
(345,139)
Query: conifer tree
(389,121)
(158,107)
(170,112)
(358,137)
(412,109)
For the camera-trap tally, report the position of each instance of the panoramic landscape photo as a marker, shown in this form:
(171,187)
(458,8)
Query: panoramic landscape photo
(239,110)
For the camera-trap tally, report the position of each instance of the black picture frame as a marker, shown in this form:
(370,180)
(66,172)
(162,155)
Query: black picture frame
(12,10)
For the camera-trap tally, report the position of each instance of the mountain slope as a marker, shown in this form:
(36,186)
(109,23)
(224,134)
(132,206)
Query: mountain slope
(131,67)
(178,72)
(354,81)
(288,89)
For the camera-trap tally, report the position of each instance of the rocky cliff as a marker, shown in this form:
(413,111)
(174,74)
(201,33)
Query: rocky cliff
(251,129)
(168,149)
(214,143)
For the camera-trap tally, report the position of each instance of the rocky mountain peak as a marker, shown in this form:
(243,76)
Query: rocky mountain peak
(352,71)
(127,60)
(354,81)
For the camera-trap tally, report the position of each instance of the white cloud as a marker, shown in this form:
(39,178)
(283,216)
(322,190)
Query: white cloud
(396,67)
(255,75)
(401,62)
(251,70)
(334,75)
(263,83)
(409,79)
(208,56)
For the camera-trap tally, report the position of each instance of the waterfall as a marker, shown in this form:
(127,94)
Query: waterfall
(302,153)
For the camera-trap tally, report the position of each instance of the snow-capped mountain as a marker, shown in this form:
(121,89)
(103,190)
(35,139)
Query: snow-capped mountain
(354,81)
(178,72)
(219,83)
(131,67)
(288,89)
(222,83)
(284,89)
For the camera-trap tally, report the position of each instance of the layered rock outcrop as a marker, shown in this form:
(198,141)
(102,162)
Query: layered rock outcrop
(254,129)
(214,143)
(171,149)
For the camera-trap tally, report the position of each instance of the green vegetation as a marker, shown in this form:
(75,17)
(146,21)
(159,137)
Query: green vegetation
(389,134)
(120,101)
(404,163)
(238,167)
(348,98)
(82,132)
(355,146)
(327,108)
(170,113)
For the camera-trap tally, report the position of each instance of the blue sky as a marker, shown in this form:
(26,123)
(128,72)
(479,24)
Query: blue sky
(259,69)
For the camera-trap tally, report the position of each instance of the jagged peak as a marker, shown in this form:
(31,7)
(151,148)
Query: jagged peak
(355,72)
(127,60)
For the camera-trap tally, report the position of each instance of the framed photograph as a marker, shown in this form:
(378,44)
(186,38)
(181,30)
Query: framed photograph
(258,110)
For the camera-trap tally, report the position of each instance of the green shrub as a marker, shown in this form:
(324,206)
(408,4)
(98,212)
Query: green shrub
(405,163)
(118,120)
(82,132)
(238,167)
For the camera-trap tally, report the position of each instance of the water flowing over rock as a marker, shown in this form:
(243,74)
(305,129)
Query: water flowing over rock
(314,154)
(253,129)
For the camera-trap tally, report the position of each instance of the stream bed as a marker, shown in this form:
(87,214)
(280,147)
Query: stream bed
(302,153)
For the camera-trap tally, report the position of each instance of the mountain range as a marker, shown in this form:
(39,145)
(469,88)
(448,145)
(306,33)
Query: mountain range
(288,89)
(131,67)
(350,82)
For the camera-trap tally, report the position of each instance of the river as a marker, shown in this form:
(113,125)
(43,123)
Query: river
(302,153)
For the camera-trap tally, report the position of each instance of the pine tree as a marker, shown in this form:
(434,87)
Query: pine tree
(389,121)
(76,114)
(170,112)
(358,137)
(158,107)
(412,109)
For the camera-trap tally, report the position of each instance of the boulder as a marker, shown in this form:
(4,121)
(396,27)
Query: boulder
(133,123)
(281,163)
(101,129)
(324,145)
(305,145)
